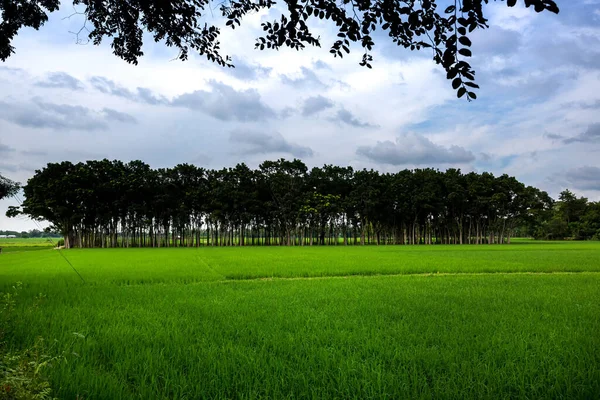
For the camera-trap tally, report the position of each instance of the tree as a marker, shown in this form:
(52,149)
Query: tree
(413,24)
(8,188)
(115,204)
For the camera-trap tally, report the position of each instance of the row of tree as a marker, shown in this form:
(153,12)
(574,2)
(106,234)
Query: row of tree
(115,204)
(571,217)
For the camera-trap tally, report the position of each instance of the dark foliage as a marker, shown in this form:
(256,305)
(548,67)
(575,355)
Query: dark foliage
(7,187)
(572,217)
(111,203)
(443,27)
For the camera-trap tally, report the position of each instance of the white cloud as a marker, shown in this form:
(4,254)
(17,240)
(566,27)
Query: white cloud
(517,108)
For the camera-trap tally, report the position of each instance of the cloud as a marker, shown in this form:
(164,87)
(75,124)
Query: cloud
(315,104)
(60,80)
(108,86)
(590,106)
(584,178)
(8,167)
(485,156)
(6,149)
(34,153)
(307,80)
(147,96)
(16,167)
(553,136)
(591,135)
(261,143)
(11,70)
(142,95)
(321,65)
(41,114)
(248,72)
(346,117)
(496,41)
(287,112)
(114,115)
(583,105)
(226,104)
(414,149)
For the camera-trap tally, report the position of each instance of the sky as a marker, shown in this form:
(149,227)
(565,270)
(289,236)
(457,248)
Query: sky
(537,116)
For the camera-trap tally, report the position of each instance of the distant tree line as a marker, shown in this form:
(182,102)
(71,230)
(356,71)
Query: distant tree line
(32,233)
(116,204)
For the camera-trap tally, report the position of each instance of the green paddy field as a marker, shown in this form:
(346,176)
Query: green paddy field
(388,322)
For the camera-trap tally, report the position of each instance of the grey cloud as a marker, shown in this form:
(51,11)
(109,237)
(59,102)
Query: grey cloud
(60,80)
(226,104)
(583,105)
(527,86)
(414,149)
(110,87)
(591,135)
(8,167)
(308,79)
(551,51)
(201,159)
(287,112)
(11,70)
(6,149)
(142,95)
(590,106)
(496,41)
(41,114)
(34,153)
(485,156)
(248,72)
(584,178)
(149,97)
(114,115)
(315,104)
(61,109)
(346,117)
(260,143)
(16,167)
(553,136)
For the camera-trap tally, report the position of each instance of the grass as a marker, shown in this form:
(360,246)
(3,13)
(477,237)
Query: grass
(497,322)
(183,265)
(18,244)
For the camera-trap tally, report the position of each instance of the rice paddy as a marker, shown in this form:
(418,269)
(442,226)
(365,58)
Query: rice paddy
(502,321)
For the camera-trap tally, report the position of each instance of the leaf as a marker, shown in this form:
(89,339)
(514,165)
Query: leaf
(465,52)
(461,92)
(511,3)
(471,84)
(451,73)
(456,83)
(472,95)
(465,41)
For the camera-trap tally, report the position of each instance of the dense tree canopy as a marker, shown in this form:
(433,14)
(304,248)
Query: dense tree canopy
(7,187)
(571,217)
(441,26)
(111,203)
